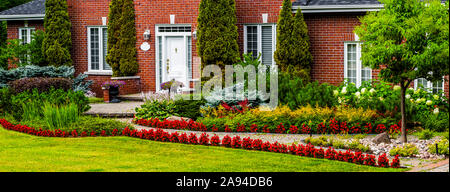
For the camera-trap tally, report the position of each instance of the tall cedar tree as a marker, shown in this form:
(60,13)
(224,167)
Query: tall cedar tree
(217,33)
(407,40)
(114,26)
(57,43)
(292,53)
(301,57)
(283,51)
(127,41)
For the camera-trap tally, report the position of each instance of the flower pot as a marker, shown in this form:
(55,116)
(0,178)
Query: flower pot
(113,95)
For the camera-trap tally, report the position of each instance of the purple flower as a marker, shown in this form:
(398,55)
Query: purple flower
(113,83)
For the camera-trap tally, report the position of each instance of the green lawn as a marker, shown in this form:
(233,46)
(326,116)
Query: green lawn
(22,152)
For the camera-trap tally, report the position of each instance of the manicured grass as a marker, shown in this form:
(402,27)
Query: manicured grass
(95,100)
(22,152)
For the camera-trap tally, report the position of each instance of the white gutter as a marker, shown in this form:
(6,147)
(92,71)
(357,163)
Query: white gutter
(338,8)
(22,17)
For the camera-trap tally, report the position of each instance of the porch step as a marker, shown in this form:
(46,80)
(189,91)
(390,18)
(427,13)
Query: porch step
(132,97)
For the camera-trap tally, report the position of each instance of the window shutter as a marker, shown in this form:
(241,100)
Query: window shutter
(267,45)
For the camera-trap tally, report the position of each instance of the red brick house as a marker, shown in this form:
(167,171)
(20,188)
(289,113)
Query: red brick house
(166,25)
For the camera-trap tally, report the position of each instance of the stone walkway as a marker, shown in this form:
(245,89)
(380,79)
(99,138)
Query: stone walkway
(119,110)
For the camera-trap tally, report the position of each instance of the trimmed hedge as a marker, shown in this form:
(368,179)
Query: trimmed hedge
(41,84)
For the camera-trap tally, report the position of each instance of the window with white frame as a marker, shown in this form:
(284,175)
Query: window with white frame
(97,49)
(25,36)
(260,39)
(432,87)
(354,71)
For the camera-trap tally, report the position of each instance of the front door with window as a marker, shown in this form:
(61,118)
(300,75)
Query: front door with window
(175,61)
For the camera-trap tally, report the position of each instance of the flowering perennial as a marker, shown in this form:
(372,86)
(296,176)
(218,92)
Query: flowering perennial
(235,142)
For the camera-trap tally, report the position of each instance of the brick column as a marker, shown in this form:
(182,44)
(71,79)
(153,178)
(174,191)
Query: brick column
(106,95)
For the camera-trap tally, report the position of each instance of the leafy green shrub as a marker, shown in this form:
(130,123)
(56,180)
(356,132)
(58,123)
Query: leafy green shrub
(305,93)
(426,134)
(338,144)
(57,97)
(189,108)
(442,147)
(41,84)
(58,117)
(408,150)
(97,124)
(318,141)
(79,83)
(156,109)
(434,122)
(31,111)
(356,145)
(5,101)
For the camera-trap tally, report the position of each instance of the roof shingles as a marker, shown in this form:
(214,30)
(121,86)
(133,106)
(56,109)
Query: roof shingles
(31,8)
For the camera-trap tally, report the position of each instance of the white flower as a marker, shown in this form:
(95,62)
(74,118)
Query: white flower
(396,88)
(411,89)
(418,100)
(422,100)
(363,90)
(335,92)
(344,90)
(357,94)
(339,100)
(429,102)
(407,96)
(372,90)
(436,111)
(436,97)
(412,100)
(381,98)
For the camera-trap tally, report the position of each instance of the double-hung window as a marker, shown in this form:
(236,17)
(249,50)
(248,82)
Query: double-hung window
(432,87)
(25,36)
(97,49)
(354,71)
(260,39)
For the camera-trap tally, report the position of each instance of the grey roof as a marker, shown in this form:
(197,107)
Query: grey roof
(337,2)
(31,8)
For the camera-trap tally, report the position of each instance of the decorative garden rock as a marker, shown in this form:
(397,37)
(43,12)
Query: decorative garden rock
(176,118)
(381,138)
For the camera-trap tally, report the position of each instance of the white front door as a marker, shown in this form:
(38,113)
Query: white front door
(175,62)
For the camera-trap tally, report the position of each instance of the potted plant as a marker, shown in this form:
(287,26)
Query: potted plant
(111,88)
(171,85)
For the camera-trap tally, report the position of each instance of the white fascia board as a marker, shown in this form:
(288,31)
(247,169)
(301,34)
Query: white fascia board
(22,17)
(337,8)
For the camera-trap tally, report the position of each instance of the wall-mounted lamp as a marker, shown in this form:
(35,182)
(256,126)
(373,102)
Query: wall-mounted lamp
(194,34)
(147,35)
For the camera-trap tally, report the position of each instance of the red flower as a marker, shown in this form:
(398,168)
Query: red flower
(226,141)
(204,139)
(215,140)
(236,142)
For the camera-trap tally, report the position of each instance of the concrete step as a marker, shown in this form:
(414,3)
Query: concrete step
(132,97)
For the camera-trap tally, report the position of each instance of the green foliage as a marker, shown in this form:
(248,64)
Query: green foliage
(304,93)
(35,49)
(79,83)
(97,124)
(57,43)
(3,38)
(58,117)
(426,135)
(292,53)
(189,108)
(442,147)
(217,33)
(57,97)
(434,122)
(21,54)
(122,38)
(407,150)
(156,109)
(318,141)
(6,4)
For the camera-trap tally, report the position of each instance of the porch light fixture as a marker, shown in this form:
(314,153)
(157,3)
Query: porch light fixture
(147,35)
(194,34)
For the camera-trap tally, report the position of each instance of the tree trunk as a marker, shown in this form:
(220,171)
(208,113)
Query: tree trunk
(403,137)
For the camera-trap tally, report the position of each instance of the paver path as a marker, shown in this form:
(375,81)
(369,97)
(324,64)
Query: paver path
(441,166)
(123,109)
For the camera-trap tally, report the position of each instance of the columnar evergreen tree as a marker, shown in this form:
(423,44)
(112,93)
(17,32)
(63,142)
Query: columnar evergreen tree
(127,41)
(58,41)
(283,51)
(292,53)
(122,38)
(217,33)
(407,40)
(114,26)
(301,56)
